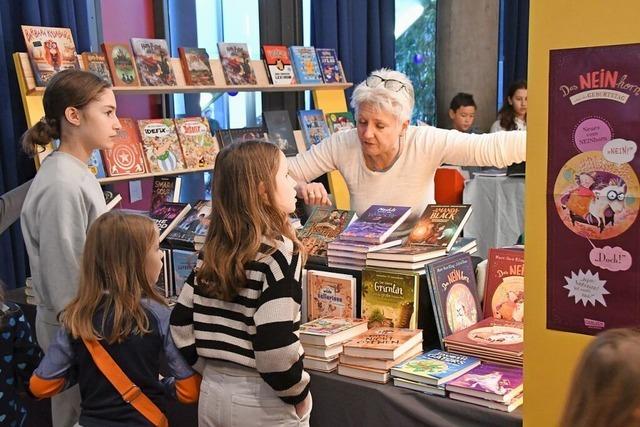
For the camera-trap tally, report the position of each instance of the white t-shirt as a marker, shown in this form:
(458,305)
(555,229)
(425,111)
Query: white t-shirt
(520,125)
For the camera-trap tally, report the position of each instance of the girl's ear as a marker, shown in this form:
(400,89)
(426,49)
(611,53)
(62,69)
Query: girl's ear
(72,114)
(262,190)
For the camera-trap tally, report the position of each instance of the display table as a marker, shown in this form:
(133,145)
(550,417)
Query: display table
(498,211)
(343,401)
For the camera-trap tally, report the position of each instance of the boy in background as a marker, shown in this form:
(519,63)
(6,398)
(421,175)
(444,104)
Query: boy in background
(462,112)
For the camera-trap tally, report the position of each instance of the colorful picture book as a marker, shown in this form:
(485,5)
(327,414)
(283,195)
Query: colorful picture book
(340,121)
(192,230)
(199,146)
(376,224)
(121,64)
(280,131)
(329,65)
(305,64)
(161,145)
(97,64)
(439,225)
(330,294)
(313,126)
(278,63)
(154,62)
(504,286)
(196,66)
(50,50)
(489,381)
(490,339)
(168,215)
(435,367)
(236,64)
(323,226)
(329,331)
(126,156)
(383,343)
(165,189)
(390,298)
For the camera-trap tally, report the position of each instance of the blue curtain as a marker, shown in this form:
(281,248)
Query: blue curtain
(514,40)
(15,168)
(361,31)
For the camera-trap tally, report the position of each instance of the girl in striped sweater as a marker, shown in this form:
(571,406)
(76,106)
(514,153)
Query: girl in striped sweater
(238,315)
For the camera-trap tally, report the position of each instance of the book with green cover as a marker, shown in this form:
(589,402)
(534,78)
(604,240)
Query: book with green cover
(390,298)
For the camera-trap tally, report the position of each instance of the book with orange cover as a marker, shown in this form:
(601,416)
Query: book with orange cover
(199,146)
(161,145)
(195,66)
(504,289)
(278,63)
(383,343)
(50,50)
(121,64)
(97,64)
(126,156)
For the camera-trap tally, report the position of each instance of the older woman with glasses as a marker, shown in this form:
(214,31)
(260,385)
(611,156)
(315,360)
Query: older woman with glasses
(385,160)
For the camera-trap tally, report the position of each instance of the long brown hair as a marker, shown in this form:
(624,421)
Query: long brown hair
(241,217)
(68,88)
(507,114)
(604,391)
(113,279)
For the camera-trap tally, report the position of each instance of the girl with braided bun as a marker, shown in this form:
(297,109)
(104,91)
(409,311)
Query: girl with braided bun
(64,199)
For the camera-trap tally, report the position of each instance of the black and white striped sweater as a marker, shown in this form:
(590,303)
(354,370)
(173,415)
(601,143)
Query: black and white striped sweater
(258,329)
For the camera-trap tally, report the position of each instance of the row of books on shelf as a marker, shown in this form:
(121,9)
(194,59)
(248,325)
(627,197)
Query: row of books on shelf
(147,62)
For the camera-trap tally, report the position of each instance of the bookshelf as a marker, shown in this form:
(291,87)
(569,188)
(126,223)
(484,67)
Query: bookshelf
(328,97)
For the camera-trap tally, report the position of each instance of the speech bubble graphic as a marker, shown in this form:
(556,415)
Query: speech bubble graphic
(619,150)
(586,288)
(608,258)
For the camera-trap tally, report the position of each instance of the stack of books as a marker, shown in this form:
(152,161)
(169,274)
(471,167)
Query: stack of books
(368,233)
(493,386)
(323,226)
(322,340)
(407,257)
(371,355)
(428,372)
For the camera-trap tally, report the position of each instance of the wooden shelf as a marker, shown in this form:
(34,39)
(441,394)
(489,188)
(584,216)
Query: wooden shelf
(130,177)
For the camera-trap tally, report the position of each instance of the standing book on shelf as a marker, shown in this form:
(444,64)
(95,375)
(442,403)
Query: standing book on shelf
(192,230)
(154,62)
(504,289)
(196,66)
(329,65)
(96,164)
(168,215)
(313,126)
(97,64)
(121,64)
(376,224)
(340,121)
(439,225)
(280,131)
(305,64)
(161,145)
(330,294)
(236,64)
(199,146)
(278,63)
(390,298)
(323,226)
(165,189)
(126,157)
(50,50)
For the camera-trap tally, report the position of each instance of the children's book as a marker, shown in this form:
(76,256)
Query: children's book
(313,126)
(409,254)
(97,64)
(161,145)
(439,225)
(330,294)
(183,264)
(236,64)
(489,381)
(121,64)
(199,146)
(165,189)
(504,288)
(491,335)
(280,131)
(168,215)
(153,61)
(196,66)
(323,226)
(126,156)
(278,63)
(505,407)
(383,343)
(340,121)
(435,367)
(96,165)
(421,387)
(366,362)
(376,224)
(390,298)
(50,50)
(305,64)
(329,65)
(192,230)
(329,331)
(368,374)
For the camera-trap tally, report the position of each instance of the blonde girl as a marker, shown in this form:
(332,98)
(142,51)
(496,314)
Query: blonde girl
(239,313)
(118,306)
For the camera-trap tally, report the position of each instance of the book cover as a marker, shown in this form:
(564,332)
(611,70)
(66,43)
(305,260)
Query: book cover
(504,288)
(121,64)
(305,64)
(198,144)
(161,145)
(435,367)
(243,134)
(456,301)
(329,65)
(330,294)
(196,66)
(329,331)
(126,156)
(439,225)
(314,127)
(390,298)
(491,334)
(236,64)
(383,342)
(489,381)
(50,50)
(96,165)
(167,216)
(183,264)
(280,131)
(340,121)
(376,224)
(323,226)
(153,61)
(97,64)
(192,230)
(165,189)
(278,63)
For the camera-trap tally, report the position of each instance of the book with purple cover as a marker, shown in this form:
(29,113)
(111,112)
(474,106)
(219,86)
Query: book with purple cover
(376,224)
(168,215)
(489,381)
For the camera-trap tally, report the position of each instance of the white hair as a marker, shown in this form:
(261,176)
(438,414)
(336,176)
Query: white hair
(400,103)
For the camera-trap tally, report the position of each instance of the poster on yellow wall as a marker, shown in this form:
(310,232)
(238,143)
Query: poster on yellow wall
(593,193)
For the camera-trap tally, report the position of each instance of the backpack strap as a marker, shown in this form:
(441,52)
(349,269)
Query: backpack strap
(130,392)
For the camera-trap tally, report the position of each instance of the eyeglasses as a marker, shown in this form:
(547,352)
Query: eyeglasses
(613,195)
(391,84)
